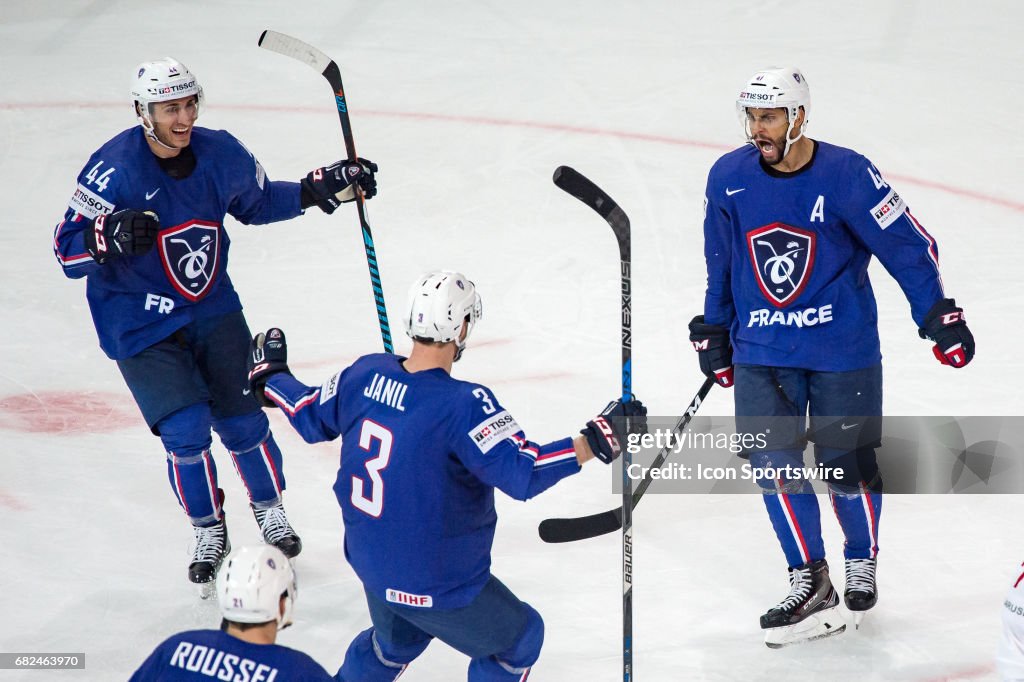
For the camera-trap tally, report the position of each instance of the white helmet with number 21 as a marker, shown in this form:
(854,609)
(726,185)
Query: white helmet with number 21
(251,583)
(439,302)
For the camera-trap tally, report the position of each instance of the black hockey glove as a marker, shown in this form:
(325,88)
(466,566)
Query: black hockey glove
(607,434)
(714,350)
(331,186)
(124,232)
(268,355)
(945,325)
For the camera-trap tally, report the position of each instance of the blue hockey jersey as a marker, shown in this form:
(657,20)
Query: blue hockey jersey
(421,455)
(787,258)
(137,301)
(214,655)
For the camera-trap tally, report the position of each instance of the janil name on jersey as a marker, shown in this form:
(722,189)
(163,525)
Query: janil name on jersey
(808,317)
(386,391)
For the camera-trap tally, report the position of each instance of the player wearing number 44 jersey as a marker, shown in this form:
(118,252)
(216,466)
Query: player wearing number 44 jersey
(789,317)
(145,226)
(421,455)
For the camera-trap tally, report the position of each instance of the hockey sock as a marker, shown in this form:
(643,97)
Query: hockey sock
(255,454)
(858,505)
(792,507)
(190,467)
(858,513)
(194,480)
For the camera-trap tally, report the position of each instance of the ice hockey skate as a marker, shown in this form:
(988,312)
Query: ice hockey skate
(861,591)
(276,529)
(211,546)
(811,611)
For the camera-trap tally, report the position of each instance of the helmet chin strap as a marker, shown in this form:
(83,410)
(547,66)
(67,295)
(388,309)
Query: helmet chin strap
(789,129)
(149,128)
(792,122)
(151,134)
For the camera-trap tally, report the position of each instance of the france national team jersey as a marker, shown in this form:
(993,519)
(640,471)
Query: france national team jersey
(139,300)
(787,258)
(215,655)
(421,455)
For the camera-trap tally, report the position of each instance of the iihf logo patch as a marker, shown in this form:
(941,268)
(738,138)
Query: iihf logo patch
(782,257)
(190,254)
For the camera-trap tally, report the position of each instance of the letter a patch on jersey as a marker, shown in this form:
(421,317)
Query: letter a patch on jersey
(190,255)
(782,257)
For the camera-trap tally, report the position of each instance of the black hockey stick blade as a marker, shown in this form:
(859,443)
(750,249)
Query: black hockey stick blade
(580,528)
(578,185)
(602,523)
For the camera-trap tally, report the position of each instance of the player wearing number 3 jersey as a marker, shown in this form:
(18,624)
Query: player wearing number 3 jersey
(421,455)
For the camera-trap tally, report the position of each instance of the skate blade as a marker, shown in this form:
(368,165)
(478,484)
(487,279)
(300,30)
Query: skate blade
(816,626)
(206,590)
(858,616)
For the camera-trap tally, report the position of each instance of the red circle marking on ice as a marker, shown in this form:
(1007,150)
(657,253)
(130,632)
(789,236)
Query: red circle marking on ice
(64,412)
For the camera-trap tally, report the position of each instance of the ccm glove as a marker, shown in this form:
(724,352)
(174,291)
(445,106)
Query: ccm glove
(945,325)
(711,341)
(606,433)
(124,232)
(331,186)
(268,355)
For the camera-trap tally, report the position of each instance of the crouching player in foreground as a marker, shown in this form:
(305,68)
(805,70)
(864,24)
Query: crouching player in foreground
(256,591)
(421,455)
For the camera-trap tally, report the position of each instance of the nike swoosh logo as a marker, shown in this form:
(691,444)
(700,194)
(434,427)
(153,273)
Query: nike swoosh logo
(846,427)
(730,192)
(246,391)
(150,196)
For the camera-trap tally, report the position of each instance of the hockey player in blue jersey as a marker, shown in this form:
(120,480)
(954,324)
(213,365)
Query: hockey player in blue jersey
(256,593)
(421,455)
(145,226)
(789,317)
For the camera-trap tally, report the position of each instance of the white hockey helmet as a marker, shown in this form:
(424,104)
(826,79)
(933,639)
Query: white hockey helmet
(161,80)
(439,302)
(251,583)
(773,88)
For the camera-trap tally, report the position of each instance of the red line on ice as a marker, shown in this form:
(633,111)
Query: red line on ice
(513,123)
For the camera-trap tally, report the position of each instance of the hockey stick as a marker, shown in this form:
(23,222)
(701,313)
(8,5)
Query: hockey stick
(312,57)
(602,523)
(577,185)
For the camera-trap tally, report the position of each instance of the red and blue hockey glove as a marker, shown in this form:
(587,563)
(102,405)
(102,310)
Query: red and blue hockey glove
(268,355)
(945,325)
(331,186)
(714,351)
(121,233)
(607,433)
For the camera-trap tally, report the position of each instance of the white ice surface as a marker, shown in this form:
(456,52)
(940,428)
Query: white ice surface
(468,107)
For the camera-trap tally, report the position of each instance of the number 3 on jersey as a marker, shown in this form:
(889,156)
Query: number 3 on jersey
(372,504)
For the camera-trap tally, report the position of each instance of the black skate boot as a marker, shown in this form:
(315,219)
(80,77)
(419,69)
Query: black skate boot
(861,589)
(211,546)
(276,529)
(809,612)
